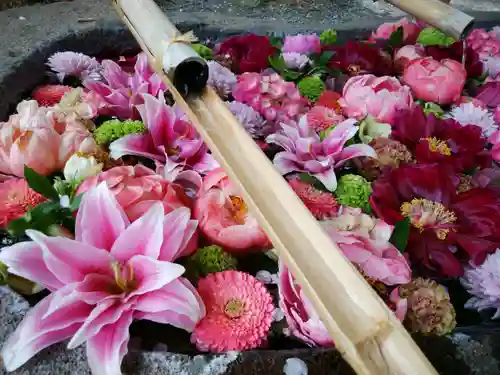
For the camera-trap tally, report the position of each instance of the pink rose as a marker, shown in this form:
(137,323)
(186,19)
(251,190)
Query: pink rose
(303,321)
(304,44)
(380,97)
(435,81)
(410,31)
(364,240)
(223,216)
(137,188)
(405,55)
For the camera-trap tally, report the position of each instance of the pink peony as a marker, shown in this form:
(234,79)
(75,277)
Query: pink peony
(405,55)
(305,152)
(278,101)
(224,218)
(410,31)
(296,61)
(304,44)
(303,321)
(170,135)
(495,141)
(239,312)
(33,137)
(322,118)
(365,242)
(137,188)
(122,91)
(435,81)
(16,198)
(74,64)
(379,97)
(111,274)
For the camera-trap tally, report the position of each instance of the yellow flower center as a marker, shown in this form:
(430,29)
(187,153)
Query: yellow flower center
(234,308)
(124,278)
(239,209)
(436,145)
(424,213)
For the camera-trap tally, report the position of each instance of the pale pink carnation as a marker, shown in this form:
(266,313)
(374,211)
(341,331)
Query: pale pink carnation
(304,44)
(470,114)
(239,312)
(74,64)
(220,78)
(295,60)
(16,198)
(483,283)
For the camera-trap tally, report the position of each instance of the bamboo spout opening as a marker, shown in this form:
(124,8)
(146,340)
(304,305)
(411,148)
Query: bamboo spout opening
(190,77)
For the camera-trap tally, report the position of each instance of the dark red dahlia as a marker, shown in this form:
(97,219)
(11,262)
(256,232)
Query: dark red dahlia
(446,226)
(246,53)
(354,58)
(433,140)
(473,64)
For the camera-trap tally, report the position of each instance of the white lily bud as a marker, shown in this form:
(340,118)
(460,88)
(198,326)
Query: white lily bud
(79,167)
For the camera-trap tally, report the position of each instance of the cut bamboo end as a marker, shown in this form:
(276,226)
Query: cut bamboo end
(439,14)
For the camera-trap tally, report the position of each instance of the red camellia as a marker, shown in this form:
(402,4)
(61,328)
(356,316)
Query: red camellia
(433,140)
(246,53)
(446,227)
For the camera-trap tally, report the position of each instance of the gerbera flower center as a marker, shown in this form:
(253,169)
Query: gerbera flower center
(426,214)
(437,145)
(239,209)
(234,308)
(124,278)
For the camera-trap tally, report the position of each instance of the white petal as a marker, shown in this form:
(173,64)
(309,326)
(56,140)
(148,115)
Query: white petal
(295,366)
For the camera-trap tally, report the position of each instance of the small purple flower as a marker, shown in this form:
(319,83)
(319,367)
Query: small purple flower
(251,120)
(301,43)
(296,61)
(74,64)
(220,78)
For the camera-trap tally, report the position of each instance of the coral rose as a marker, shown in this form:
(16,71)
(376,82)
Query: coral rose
(380,97)
(224,218)
(410,31)
(435,81)
(405,55)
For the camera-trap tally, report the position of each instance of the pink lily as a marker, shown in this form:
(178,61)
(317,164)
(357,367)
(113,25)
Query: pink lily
(306,152)
(112,273)
(122,91)
(175,173)
(170,135)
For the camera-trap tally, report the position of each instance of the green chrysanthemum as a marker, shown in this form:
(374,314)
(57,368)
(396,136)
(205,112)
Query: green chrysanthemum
(328,37)
(354,191)
(210,259)
(112,130)
(311,88)
(203,51)
(434,37)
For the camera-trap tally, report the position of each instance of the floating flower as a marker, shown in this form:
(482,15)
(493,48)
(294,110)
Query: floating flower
(379,97)
(137,188)
(428,305)
(486,44)
(321,204)
(321,118)
(303,321)
(364,240)
(496,115)
(444,224)
(369,129)
(16,198)
(74,64)
(305,44)
(80,166)
(489,94)
(220,78)
(410,31)
(473,65)
(170,135)
(470,114)
(50,95)
(224,218)
(111,130)
(211,259)
(251,120)
(246,53)
(406,54)
(296,61)
(353,191)
(78,107)
(278,101)
(175,173)
(122,91)
(311,87)
(239,313)
(435,81)
(444,141)
(330,99)
(482,282)
(305,152)
(112,273)
(495,141)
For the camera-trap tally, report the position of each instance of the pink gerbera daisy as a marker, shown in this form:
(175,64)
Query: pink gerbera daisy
(16,197)
(239,312)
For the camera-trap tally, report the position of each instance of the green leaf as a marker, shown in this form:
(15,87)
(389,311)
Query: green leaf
(76,202)
(40,184)
(396,38)
(276,41)
(304,177)
(431,36)
(325,57)
(400,234)
(18,227)
(291,75)
(277,63)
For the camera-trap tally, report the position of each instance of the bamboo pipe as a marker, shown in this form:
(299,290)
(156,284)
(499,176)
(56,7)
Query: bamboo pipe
(439,14)
(365,331)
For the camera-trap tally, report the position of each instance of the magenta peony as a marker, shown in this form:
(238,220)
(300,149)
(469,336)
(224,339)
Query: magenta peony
(435,81)
(224,218)
(405,55)
(111,274)
(122,91)
(303,321)
(364,240)
(305,152)
(410,31)
(304,44)
(379,97)
(170,135)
